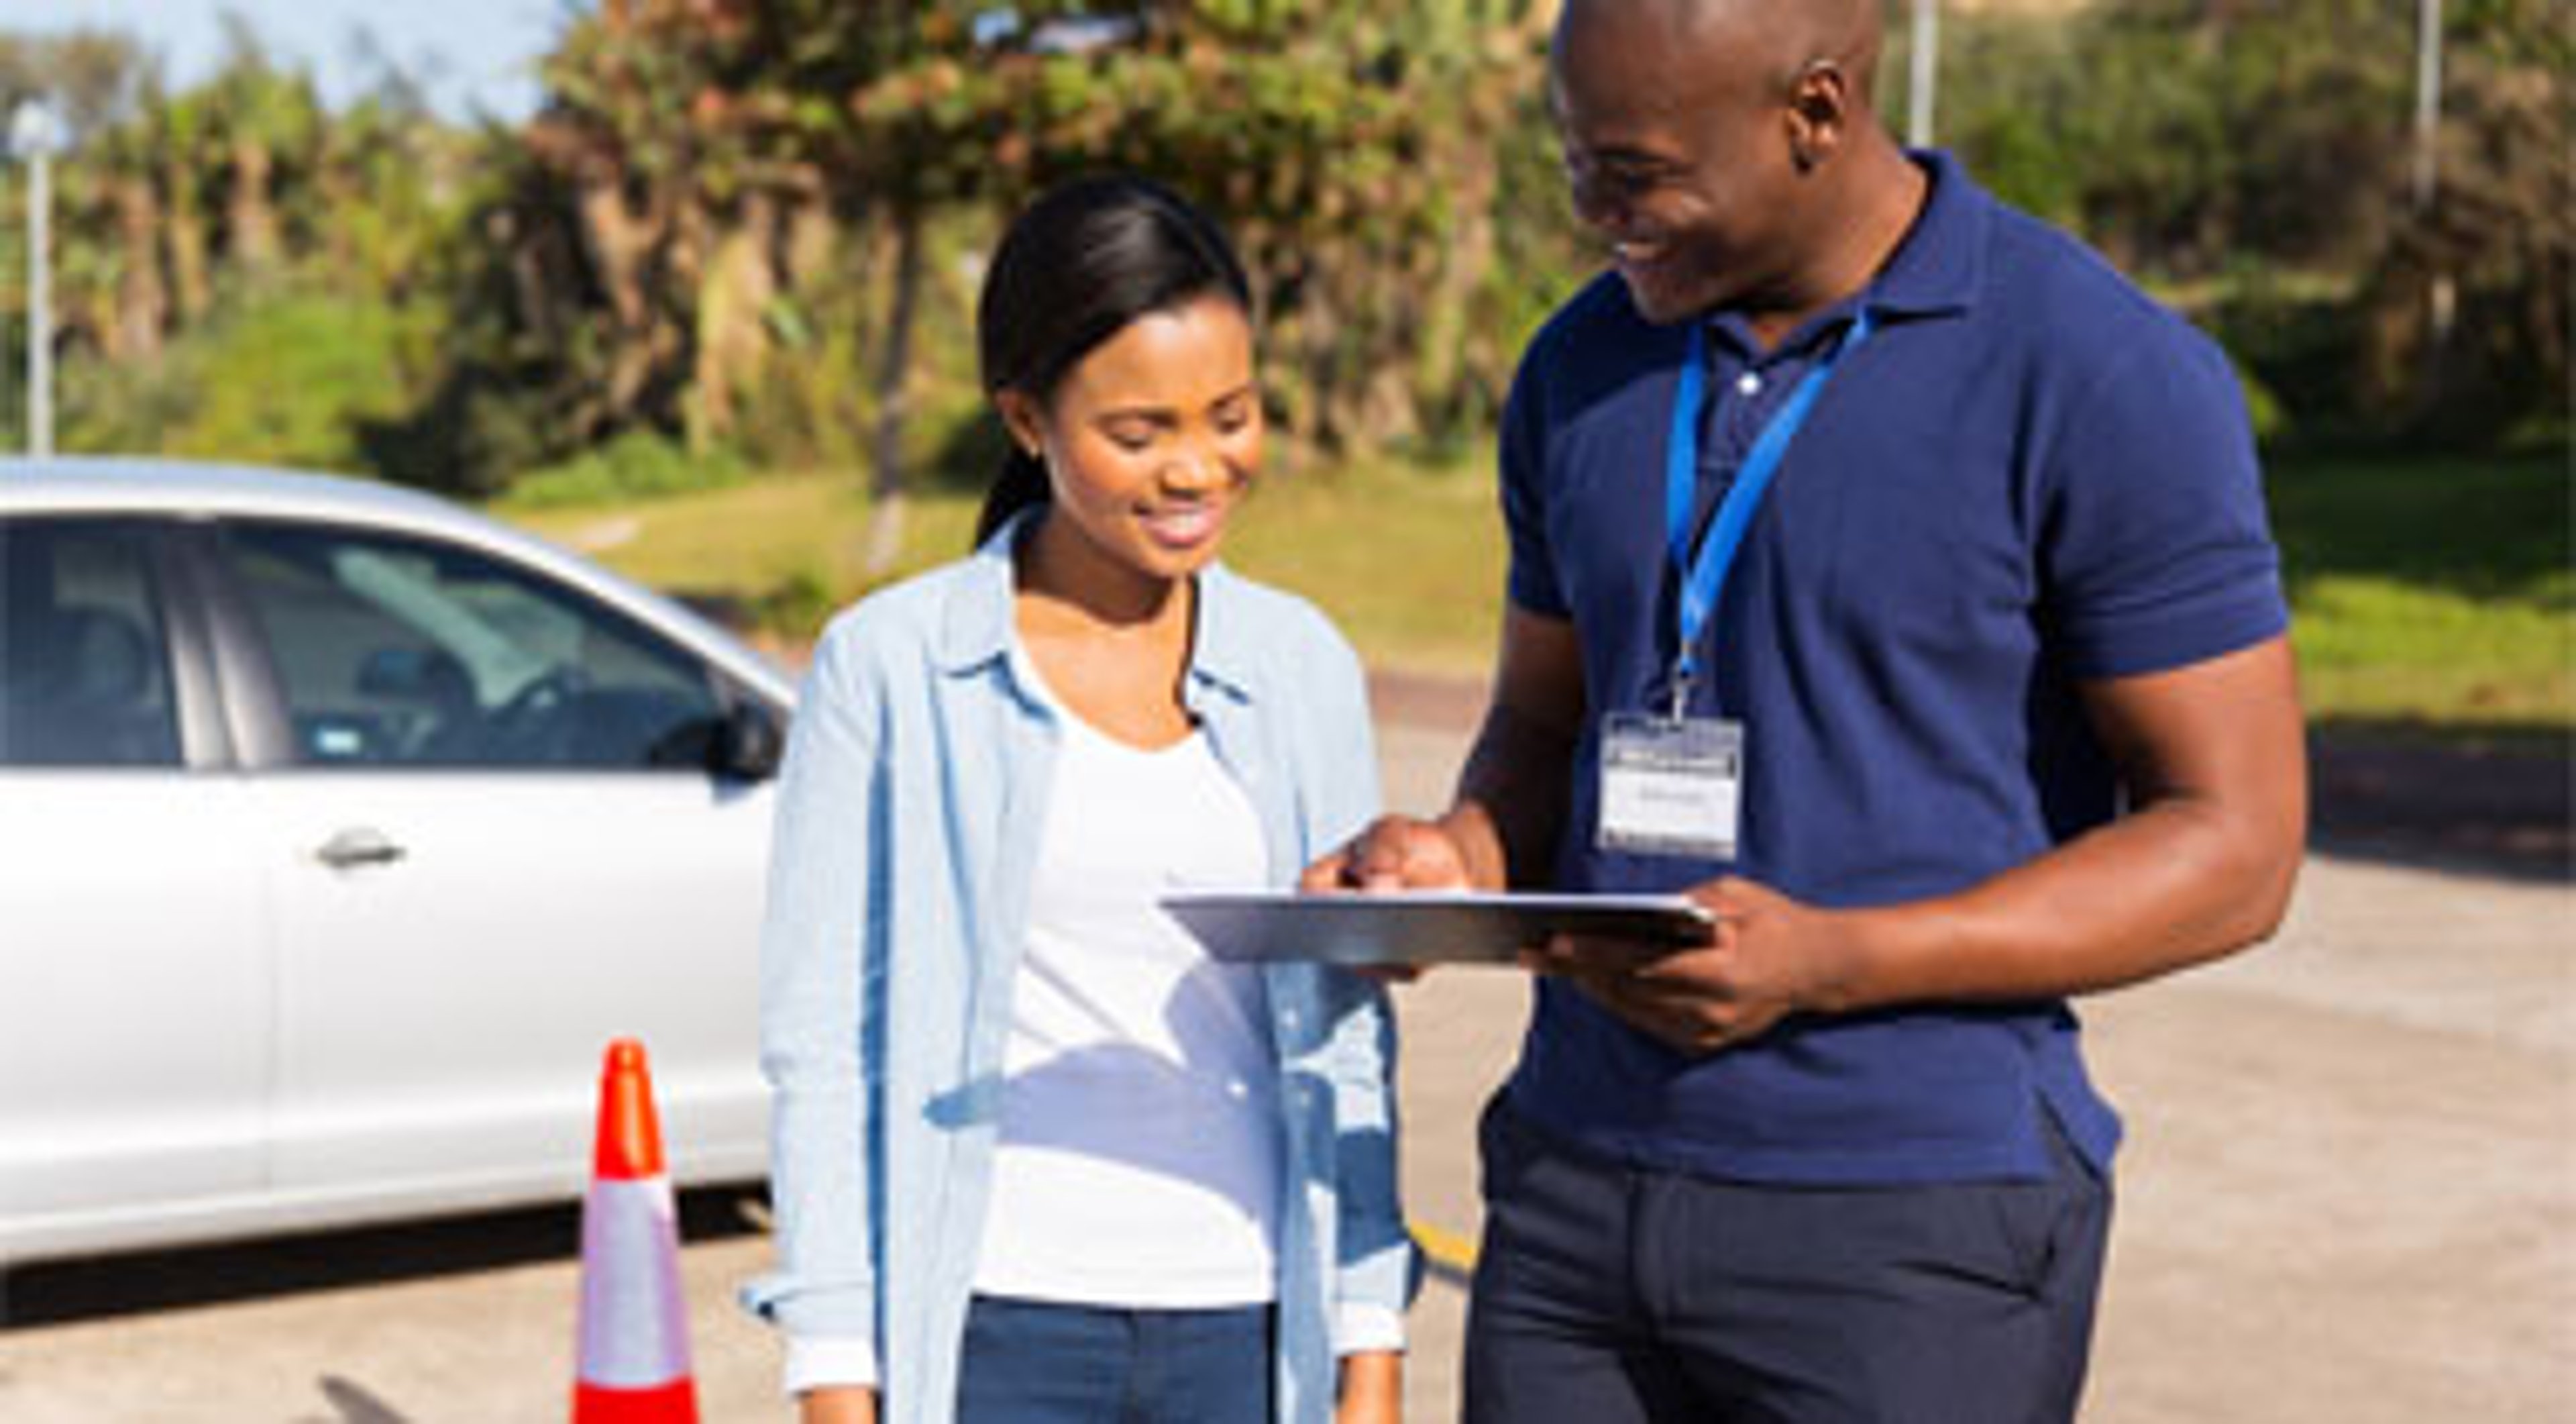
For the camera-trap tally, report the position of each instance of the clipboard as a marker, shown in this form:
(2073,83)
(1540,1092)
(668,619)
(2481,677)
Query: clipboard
(1422,927)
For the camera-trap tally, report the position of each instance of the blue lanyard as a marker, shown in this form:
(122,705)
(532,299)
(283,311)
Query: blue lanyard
(1704,576)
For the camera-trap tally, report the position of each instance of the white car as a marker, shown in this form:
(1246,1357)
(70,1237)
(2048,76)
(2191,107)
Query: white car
(340,832)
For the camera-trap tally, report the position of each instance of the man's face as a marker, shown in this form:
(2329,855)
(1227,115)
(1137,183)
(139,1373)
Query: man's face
(1676,147)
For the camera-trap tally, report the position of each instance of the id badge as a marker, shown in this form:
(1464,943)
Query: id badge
(1671,786)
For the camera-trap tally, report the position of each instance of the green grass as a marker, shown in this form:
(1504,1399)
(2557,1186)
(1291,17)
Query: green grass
(2435,593)
(1409,562)
(2432,594)
(738,543)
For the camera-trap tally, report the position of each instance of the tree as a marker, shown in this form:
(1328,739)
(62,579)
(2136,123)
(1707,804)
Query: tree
(686,140)
(2252,160)
(2469,314)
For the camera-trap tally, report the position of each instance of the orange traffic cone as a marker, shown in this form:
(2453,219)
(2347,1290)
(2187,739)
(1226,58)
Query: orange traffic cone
(634,1321)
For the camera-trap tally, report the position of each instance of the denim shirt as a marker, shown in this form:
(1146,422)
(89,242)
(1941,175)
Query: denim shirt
(908,820)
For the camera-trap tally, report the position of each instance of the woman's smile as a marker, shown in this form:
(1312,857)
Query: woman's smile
(1183,527)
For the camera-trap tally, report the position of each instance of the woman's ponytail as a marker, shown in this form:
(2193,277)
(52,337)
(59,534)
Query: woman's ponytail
(1021,483)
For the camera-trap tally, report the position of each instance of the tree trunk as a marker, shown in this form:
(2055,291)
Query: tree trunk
(733,337)
(620,244)
(253,212)
(142,300)
(886,482)
(188,263)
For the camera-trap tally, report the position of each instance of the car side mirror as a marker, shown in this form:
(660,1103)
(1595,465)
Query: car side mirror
(749,743)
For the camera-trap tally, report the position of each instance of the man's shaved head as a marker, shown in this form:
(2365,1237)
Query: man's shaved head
(1727,149)
(1788,36)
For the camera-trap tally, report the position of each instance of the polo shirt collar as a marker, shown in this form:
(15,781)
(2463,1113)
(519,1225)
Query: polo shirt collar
(1934,271)
(1941,263)
(976,630)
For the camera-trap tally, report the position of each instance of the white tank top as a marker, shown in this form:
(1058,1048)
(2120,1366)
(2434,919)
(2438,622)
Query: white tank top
(1139,1151)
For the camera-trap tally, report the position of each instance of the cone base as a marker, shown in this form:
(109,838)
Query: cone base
(673,1403)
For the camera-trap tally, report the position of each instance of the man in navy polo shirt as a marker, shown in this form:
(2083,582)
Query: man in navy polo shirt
(1891,576)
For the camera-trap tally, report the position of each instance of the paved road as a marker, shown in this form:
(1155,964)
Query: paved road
(2349,1197)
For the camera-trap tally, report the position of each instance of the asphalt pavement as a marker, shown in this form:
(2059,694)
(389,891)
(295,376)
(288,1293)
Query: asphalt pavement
(2348,1196)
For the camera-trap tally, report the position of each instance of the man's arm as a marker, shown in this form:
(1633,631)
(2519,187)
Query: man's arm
(1511,798)
(1509,811)
(2214,762)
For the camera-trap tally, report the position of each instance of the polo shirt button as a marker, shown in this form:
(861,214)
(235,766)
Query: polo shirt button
(1748,384)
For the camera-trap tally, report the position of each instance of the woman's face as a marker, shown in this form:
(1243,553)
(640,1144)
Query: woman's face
(1151,440)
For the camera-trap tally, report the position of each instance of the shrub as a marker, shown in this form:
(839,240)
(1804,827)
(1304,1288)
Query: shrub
(639,464)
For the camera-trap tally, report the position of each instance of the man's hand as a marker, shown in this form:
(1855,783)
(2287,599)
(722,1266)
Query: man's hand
(1372,1388)
(1769,956)
(1394,853)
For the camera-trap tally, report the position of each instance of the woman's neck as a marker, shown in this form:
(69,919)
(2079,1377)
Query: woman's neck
(1112,643)
(1074,584)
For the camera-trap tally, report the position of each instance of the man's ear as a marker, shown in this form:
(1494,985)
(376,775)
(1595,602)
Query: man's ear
(1819,114)
(1020,417)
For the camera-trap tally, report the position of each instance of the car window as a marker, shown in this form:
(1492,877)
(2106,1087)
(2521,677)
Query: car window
(84,665)
(400,652)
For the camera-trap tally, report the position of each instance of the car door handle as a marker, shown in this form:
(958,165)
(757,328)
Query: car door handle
(356,846)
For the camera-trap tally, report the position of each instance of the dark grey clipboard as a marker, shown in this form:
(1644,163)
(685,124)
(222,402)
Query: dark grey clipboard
(1416,927)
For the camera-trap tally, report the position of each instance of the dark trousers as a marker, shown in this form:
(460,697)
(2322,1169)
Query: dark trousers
(1037,1362)
(1611,1295)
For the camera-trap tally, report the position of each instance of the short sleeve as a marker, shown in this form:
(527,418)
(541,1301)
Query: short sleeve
(1532,582)
(2156,549)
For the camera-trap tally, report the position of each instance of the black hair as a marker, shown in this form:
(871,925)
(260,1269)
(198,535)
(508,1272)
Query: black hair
(1079,264)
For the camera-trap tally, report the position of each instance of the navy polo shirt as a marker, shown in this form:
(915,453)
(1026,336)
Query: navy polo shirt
(2028,475)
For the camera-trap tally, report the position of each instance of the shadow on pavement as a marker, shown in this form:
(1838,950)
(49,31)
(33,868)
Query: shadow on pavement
(88,1288)
(356,1405)
(2496,806)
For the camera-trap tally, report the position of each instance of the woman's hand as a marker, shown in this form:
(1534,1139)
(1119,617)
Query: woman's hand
(1372,1388)
(838,1404)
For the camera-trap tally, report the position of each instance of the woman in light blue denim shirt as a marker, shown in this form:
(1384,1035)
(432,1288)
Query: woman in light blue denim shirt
(915,819)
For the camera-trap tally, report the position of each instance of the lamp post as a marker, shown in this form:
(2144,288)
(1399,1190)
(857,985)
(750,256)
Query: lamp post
(2426,175)
(2428,99)
(1922,73)
(33,136)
